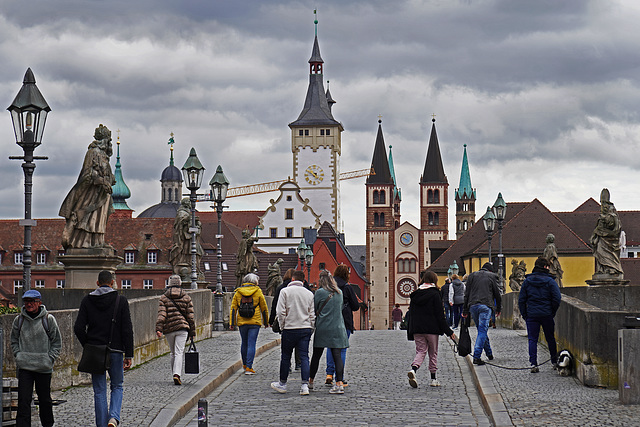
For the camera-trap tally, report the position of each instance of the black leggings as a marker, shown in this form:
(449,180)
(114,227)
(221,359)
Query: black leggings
(315,360)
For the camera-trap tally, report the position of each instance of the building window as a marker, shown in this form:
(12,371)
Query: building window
(376,197)
(436,196)
(430,218)
(321,132)
(429,196)
(17,257)
(147,284)
(17,285)
(273,232)
(306,132)
(41,258)
(382,197)
(328,132)
(381,219)
(60,283)
(288,213)
(207,266)
(39,283)
(436,218)
(152,257)
(126,283)
(60,253)
(289,232)
(322,266)
(376,220)
(288,198)
(300,132)
(129,257)
(225,267)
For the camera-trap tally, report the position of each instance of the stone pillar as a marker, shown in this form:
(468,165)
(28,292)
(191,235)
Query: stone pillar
(629,366)
(82,266)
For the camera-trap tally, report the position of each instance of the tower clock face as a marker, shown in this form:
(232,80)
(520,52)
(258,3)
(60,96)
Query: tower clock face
(314,174)
(406,239)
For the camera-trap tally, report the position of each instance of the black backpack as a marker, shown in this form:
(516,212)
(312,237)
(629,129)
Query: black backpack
(246,308)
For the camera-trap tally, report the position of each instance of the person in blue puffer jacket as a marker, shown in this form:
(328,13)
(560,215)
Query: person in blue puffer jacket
(538,302)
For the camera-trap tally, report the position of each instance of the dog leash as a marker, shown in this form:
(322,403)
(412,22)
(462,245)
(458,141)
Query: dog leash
(455,350)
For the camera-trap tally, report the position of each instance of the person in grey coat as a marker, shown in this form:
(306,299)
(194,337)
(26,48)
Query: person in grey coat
(330,330)
(36,343)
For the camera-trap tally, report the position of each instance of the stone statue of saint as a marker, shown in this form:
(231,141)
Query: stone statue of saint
(246,260)
(551,254)
(88,205)
(518,272)
(275,279)
(180,253)
(605,240)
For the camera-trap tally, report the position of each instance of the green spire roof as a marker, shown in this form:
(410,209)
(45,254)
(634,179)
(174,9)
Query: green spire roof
(120,190)
(465,187)
(396,190)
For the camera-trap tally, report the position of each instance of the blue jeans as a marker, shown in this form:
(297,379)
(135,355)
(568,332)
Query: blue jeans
(456,311)
(331,366)
(298,338)
(533,331)
(481,315)
(116,376)
(448,314)
(249,335)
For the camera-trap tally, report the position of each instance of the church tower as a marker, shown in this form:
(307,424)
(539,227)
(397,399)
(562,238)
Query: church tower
(434,195)
(380,225)
(316,145)
(120,191)
(397,193)
(465,199)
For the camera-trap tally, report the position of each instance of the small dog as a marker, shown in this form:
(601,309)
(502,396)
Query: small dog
(565,363)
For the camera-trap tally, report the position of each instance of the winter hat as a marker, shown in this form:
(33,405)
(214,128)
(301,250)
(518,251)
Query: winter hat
(175,280)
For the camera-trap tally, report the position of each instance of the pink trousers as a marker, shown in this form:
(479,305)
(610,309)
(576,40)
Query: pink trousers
(424,343)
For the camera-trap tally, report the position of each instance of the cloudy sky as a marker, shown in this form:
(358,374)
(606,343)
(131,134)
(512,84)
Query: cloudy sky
(544,93)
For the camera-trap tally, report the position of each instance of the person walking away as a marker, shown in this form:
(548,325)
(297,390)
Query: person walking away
(479,297)
(539,301)
(456,299)
(426,324)
(296,317)
(176,321)
(36,343)
(350,304)
(330,330)
(396,316)
(444,290)
(249,311)
(286,279)
(93,326)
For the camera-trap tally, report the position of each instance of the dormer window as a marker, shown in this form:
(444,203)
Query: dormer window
(152,257)
(17,257)
(129,257)
(41,258)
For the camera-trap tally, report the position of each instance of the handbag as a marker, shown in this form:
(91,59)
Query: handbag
(192,359)
(95,357)
(275,326)
(464,341)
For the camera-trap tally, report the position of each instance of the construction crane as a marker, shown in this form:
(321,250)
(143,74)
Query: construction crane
(266,187)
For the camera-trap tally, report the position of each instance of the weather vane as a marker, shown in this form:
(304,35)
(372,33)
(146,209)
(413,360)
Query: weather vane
(118,132)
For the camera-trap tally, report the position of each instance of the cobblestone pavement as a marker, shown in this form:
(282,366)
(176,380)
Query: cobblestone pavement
(546,398)
(378,391)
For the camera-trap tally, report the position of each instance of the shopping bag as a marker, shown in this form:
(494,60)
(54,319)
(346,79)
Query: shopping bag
(464,341)
(192,359)
(95,359)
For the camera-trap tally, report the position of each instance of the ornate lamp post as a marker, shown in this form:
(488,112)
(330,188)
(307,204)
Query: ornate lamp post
(28,113)
(219,185)
(302,251)
(308,257)
(454,268)
(500,210)
(489,221)
(193,171)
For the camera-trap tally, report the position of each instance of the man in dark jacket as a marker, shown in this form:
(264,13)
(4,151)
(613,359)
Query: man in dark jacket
(481,292)
(93,326)
(448,313)
(538,302)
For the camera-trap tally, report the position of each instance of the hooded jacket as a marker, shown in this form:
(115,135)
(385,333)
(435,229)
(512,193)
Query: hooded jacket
(93,324)
(539,295)
(426,315)
(34,348)
(173,306)
(261,313)
(482,288)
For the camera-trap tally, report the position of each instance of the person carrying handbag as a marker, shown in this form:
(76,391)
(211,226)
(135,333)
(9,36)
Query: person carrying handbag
(176,322)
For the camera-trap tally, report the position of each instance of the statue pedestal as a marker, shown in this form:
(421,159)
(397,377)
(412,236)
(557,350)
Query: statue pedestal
(82,266)
(600,279)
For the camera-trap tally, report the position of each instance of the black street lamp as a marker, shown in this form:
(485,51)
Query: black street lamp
(302,251)
(193,171)
(308,257)
(489,221)
(28,113)
(500,210)
(219,185)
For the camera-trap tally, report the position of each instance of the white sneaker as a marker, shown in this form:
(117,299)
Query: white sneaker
(280,388)
(304,390)
(435,383)
(337,389)
(413,382)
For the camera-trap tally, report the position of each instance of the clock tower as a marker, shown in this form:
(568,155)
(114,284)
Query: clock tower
(316,145)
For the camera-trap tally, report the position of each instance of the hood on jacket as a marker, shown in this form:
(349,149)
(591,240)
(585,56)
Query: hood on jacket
(421,295)
(103,298)
(247,289)
(174,292)
(539,278)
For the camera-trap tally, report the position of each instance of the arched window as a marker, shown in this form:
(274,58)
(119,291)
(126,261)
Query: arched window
(436,196)
(382,219)
(169,194)
(376,197)
(382,197)
(465,225)
(412,266)
(430,218)
(436,218)
(376,219)
(429,196)
(458,226)
(177,198)
(471,207)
